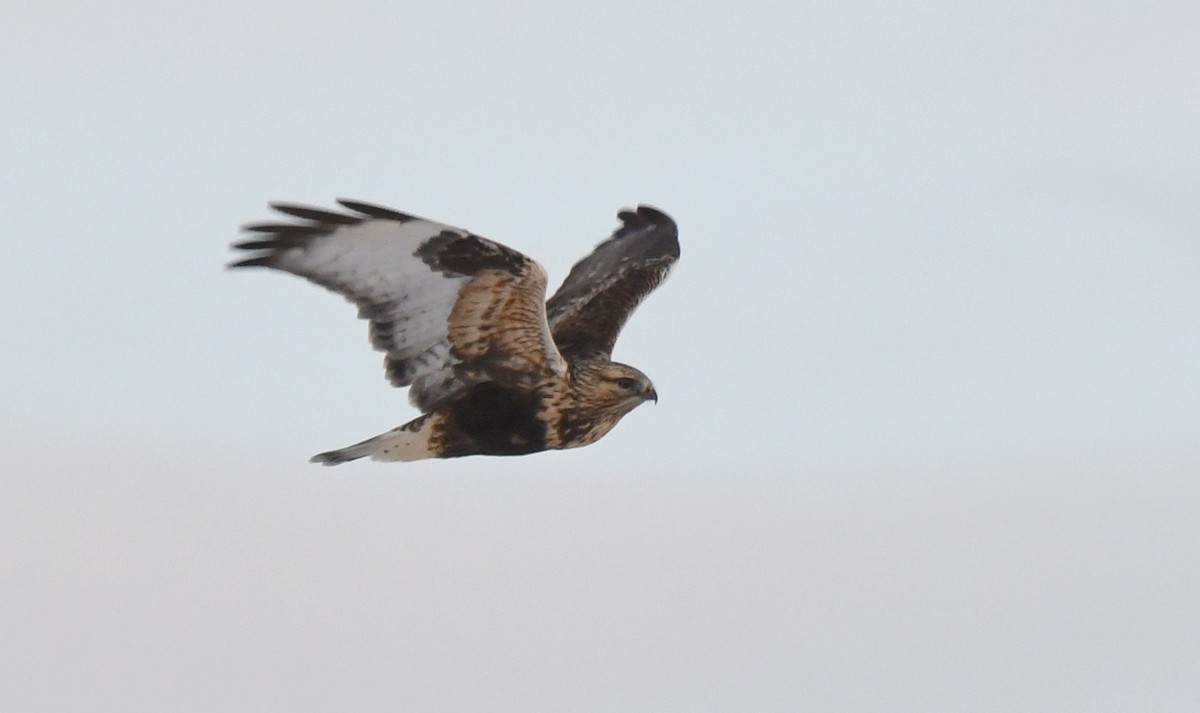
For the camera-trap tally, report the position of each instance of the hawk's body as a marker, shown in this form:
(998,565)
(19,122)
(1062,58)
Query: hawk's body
(493,366)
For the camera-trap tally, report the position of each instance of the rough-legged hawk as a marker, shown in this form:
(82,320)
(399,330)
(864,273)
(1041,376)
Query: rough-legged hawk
(494,367)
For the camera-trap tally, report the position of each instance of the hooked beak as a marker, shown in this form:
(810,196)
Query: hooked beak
(650,394)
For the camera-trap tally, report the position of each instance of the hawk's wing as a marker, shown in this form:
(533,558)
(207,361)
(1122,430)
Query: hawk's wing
(603,289)
(449,308)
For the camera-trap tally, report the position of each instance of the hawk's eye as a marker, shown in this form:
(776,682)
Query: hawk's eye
(626,383)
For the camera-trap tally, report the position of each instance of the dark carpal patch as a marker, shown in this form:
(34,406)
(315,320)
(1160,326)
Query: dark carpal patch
(453,253)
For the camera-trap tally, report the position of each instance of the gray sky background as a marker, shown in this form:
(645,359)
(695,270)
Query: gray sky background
(929,434)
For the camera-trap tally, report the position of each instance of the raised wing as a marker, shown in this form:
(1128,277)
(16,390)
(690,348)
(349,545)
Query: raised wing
(449,308)
(586,314)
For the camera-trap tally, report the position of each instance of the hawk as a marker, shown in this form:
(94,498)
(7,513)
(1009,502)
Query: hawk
(494,367)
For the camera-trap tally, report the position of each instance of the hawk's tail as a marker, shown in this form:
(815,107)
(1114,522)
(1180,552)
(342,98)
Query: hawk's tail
(408,442)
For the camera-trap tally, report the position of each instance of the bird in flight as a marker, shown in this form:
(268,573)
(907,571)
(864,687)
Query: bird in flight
(494,367)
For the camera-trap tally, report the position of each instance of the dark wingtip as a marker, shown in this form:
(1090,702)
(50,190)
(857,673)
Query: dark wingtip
(646,216)
(297,230)
(276,237)
(375,211)
(260,261)
(655,214)
(317,215)
(649,221)
(269,244)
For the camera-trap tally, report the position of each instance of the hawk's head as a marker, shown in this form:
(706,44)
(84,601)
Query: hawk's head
(604,392)
(613,387)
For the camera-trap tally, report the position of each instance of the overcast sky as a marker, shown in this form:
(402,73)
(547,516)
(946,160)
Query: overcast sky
(929,428)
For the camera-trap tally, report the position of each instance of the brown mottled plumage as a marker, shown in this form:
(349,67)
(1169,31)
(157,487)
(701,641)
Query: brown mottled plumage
(495,368)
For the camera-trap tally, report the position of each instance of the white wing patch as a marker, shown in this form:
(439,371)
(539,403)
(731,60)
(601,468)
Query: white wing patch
(374,265)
